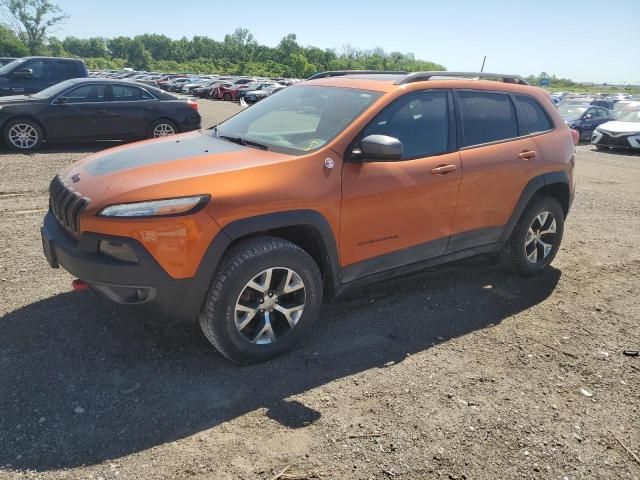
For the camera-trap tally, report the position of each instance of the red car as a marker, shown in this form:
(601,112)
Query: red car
(229,91)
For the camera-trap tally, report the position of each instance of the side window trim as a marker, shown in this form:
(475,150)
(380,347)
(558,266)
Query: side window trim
(451,140)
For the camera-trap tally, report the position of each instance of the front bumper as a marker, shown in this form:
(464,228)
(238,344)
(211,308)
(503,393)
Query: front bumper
(144,283)
(604,139)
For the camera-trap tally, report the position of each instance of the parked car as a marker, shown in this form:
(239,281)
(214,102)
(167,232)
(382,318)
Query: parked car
(624,132)
(237,227)
(32,74)
(584,118)
(223,91)
(257,95)
(5,60)
(604,103)
(176,84)
(93,109)
(252,87)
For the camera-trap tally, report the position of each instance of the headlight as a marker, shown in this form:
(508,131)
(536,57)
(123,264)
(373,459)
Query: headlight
(156,208)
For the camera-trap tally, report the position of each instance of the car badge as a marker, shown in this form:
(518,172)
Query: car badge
(75,178)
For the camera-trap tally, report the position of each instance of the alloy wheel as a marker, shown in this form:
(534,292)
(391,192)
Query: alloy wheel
(541,237)
(23,135)
(270,305)
(163,130)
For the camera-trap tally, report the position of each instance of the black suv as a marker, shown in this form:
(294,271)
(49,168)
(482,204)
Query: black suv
(32,74)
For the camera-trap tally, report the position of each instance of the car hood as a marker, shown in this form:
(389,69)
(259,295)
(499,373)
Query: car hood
(179,165)
(15,99)
(621,127)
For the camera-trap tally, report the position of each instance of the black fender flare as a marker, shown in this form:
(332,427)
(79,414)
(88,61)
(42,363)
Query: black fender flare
(534,185)
(255,226)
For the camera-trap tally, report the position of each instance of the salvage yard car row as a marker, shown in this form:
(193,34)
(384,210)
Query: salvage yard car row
(217,87)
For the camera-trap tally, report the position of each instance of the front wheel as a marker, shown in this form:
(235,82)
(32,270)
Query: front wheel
(227,96)
(535,241)
(264,298)
(23,135)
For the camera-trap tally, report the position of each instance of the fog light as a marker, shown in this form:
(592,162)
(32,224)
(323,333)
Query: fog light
(118,251)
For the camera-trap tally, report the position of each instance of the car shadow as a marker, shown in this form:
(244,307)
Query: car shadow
(82,381)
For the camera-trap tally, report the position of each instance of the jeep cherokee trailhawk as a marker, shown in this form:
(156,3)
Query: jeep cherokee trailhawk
(346,178)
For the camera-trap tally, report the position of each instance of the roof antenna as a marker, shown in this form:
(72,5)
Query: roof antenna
(485,59)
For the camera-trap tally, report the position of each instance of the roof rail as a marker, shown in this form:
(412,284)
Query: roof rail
(340,73)
(422,76)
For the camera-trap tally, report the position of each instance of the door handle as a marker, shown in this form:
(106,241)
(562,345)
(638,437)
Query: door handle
(443,169)
(527,155)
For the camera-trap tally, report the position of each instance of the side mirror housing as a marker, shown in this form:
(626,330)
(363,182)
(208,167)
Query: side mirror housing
(379,148)
(588,116)
(23,73)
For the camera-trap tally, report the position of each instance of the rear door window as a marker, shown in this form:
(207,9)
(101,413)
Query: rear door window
(534,115)
(126,93)
(487,117)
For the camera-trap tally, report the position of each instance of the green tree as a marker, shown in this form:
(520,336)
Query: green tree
(32,20)
(138,56)
(10,44)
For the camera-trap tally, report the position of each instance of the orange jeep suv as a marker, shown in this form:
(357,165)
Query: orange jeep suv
(346,178)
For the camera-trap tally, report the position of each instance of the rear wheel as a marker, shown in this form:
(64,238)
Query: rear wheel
(265,297)
(162,128)
(535,241)
(23,135)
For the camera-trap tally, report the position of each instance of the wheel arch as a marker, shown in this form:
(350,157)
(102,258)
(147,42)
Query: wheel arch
(553,184)
(308,229)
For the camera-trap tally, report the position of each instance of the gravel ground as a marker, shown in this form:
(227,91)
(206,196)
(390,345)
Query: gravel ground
(458,372)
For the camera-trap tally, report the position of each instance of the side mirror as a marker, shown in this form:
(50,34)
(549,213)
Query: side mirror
(588,116)
(379,147)
(23,73)
(62,101)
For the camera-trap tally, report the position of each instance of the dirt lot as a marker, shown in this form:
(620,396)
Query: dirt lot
(460,372)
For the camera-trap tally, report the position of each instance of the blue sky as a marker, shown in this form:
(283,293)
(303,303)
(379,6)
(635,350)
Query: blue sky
(584,40)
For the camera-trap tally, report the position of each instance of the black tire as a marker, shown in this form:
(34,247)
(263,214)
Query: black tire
(162,123)
(31,143)
(242,264)
(226,96)
(513,255)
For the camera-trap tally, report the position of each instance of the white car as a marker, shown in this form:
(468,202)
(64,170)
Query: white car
(624,132)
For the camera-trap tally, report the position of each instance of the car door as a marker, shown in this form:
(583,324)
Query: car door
(76,113)
(28,77)
(399,212)
(497,161)
(129,111)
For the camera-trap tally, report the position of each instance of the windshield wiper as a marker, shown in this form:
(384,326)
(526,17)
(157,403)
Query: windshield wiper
(245,142)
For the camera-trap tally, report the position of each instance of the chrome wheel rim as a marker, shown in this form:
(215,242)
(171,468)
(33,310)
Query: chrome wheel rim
(541,237)
(163,130)
(23,135)
(270,306)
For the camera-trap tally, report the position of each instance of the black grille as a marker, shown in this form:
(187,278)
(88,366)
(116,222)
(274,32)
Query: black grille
(609,141)
(66,205)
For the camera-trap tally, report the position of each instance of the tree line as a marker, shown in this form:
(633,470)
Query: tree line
(26,26)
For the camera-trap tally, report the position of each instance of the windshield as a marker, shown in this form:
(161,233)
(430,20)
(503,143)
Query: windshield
(54,90)
(299,119)
(10,66)
(571,112)
(633,116)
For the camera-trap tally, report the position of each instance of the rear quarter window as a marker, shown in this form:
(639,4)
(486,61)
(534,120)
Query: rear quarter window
(534,115)
(487,117)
